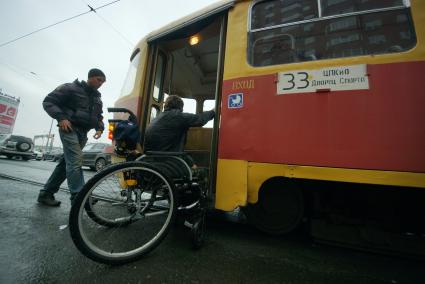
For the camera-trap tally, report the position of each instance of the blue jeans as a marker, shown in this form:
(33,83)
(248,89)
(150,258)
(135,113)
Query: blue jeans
(69,166)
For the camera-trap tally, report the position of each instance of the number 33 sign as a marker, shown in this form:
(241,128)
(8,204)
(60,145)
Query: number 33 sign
(339,78)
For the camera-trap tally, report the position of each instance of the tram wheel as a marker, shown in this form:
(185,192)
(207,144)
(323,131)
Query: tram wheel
(279,209)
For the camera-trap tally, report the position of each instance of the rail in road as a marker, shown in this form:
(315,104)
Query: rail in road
(32,172)
(37,172)
(26,180)
(39,250)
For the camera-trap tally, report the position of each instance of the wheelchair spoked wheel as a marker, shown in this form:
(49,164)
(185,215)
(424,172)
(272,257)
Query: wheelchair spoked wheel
(96,209)
(122,213)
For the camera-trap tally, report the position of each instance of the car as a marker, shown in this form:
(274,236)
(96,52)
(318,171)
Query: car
(53,155)
(16,146)
(38,155)
(97,155)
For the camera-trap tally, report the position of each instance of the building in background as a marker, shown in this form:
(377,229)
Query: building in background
(8,112)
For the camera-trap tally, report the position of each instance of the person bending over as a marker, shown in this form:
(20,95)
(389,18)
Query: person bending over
(77,107)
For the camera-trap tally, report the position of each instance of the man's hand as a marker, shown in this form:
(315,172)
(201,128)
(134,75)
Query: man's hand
(65,125)
(97,134)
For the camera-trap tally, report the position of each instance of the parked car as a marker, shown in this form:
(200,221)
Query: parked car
(97,155)
(16,146)
(38,155)
(53,155)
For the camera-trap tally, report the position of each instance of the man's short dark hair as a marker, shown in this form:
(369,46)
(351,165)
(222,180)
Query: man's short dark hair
(96,73)
(173,102)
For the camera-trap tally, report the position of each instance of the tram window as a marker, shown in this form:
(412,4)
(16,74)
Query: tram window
(130,79)
(189,105)
(209,105)
(338,7)
(374,32)
(154,113)
(270,13)
(159,77)
(164,99)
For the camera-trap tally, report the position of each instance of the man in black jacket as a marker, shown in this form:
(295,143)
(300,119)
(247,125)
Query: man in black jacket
(77,107)
(168,131)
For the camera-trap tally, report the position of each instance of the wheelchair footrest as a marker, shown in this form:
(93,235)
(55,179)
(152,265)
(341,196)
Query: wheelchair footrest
(188,224)
(198,229)
(189,207)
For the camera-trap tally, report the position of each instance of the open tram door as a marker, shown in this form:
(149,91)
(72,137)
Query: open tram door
(186,59)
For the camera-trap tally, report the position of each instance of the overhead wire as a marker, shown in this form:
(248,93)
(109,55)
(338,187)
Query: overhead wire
(60,22)
(109,24)
(116,30)
(27,74)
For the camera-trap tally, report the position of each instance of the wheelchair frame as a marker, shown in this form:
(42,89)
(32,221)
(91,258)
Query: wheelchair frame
(126,210)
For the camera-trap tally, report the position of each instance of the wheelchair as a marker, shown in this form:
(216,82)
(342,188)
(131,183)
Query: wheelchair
(126,210)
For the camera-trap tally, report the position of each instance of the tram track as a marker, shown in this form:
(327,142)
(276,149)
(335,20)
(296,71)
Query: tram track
(405,246)
(63,189)
(28,181)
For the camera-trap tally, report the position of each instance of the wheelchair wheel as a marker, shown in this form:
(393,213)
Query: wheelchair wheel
(122,213)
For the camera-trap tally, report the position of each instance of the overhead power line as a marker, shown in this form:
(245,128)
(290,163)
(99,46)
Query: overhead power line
(109,24)
(115,29)
(57,23)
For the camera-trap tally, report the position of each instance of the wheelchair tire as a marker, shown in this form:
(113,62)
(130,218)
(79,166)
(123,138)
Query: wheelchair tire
(115,222)
(102,220)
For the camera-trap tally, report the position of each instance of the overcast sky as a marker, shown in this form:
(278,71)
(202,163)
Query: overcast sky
(32,67)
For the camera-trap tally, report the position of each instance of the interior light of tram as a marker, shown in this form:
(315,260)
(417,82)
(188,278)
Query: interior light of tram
(194,40)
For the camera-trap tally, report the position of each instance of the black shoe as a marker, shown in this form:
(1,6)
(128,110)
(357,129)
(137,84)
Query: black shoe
(48,199)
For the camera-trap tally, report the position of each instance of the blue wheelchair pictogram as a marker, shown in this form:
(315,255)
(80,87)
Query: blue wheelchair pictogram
(235,101)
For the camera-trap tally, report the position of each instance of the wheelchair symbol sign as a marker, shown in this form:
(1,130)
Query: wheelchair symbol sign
(235,100)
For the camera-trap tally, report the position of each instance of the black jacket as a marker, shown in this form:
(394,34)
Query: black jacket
(167,131)
(76,102)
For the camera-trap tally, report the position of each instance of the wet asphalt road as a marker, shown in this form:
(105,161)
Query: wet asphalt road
(35,248)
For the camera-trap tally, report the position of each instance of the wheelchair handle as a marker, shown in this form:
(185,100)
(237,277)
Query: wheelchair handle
(165,153)
(132,116)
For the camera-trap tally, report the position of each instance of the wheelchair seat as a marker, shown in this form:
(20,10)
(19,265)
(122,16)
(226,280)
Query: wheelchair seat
(173,164)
